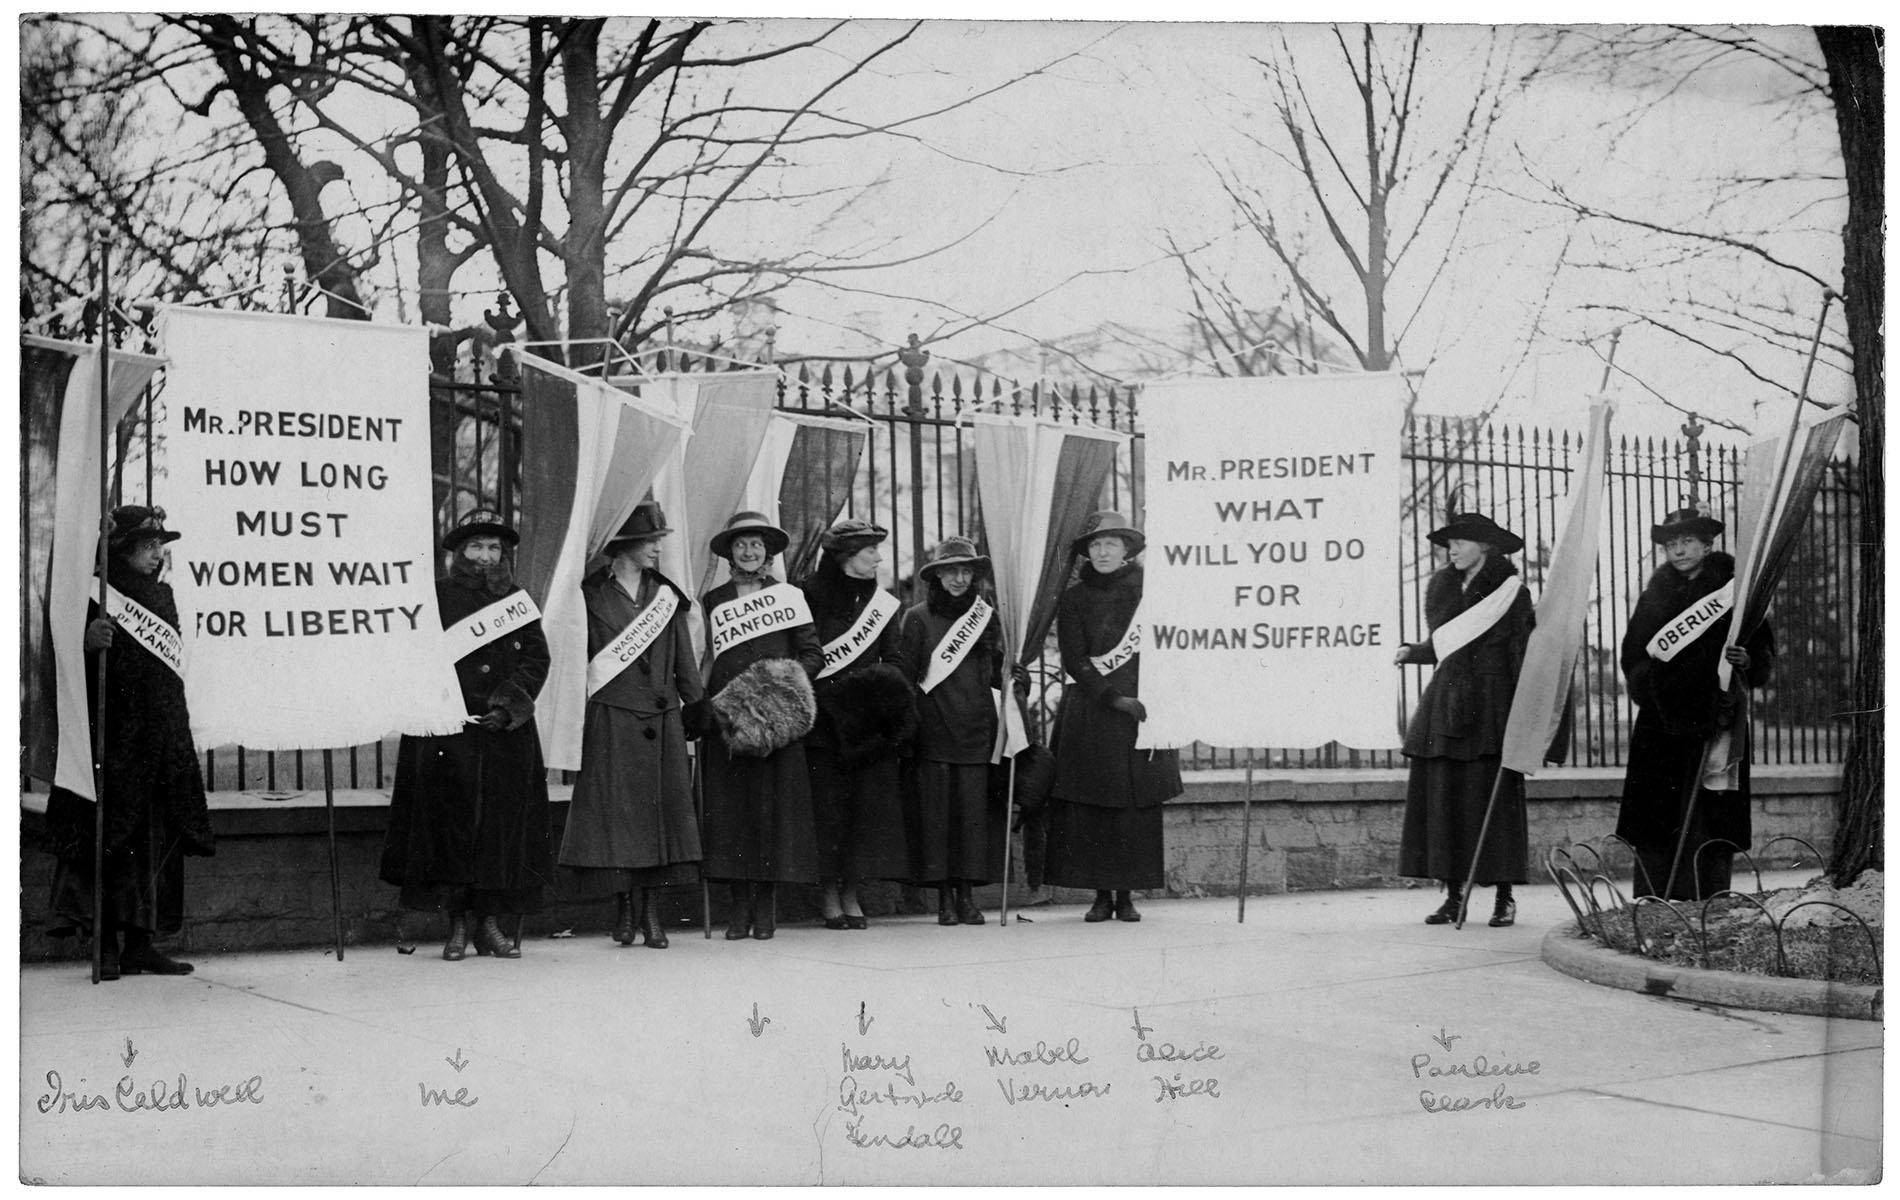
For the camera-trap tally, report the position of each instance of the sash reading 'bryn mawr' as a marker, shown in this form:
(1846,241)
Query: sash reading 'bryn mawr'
(147,628)
(1127,648)
(743,618)
(479,628)
(630,643)
(854,641)
(1691,623)
(1470,625)
(956,643)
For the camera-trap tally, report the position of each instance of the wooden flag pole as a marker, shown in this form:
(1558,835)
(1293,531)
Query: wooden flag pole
(336,874)
(1009,793)
(99,925)
(1246,838)
(699,806)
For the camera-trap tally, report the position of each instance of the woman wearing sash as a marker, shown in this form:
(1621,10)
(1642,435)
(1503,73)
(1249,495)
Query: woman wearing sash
(951,648)
(758,830)
(1105,810)
(154,790)
(468,816)
(631,823)
(866,715)
(1671,653)
(1480,618)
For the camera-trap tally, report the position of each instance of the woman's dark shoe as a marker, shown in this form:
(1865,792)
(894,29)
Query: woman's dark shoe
(946,909)
(489,939)
(765,912)
(456,948)
(108,957)
(1102,909)
(142,958)
(1448,911)
(1504,912)
(856,921)
(838,922)
(623,918)
(650,922)
(1125,907)
(739,923)
(967,911)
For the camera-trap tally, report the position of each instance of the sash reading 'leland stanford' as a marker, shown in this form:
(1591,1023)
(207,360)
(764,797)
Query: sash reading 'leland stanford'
(1127,648)
(630,643)
(479,628)
(147,629)
(739,620)
(1691,623)
(956,643)
(854,641)
(1468,626)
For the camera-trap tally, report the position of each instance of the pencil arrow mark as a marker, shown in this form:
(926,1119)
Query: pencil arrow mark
(1445,1039)
(1141,1031)
(129,1054)
(995,1022)
(456,1060)
(864,1022)
(757,1022)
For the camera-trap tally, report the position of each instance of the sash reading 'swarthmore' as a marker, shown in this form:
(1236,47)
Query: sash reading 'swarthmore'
(479,628)
(956,643)
(1470,625)
(739,620)
(1127,648)
(1691,623)
(630,643)
(854,641)
(147,628)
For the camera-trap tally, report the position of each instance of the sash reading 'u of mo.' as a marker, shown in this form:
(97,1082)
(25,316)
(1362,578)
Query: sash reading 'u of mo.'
(630,643)
(1691,623)
(479,628)
(147,628)
(956,643)
(845,649)
(743,618)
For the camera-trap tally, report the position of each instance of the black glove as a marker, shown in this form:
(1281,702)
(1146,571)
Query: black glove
(494,720)
(1019,680)
(1129,706)
(98,634)
(695,715)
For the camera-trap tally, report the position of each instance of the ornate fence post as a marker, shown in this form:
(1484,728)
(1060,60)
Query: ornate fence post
(506,379)
(914,357)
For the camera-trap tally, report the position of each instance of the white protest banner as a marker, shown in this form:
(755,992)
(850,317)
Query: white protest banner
(1271,606)
(297,469)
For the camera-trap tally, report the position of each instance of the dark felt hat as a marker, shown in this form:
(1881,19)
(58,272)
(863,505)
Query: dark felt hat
(1686,522)
(851,535)
(1476,527)
(776,539)
(1105,522)
(646,521)
(954,552)
(132,523)
(479,522)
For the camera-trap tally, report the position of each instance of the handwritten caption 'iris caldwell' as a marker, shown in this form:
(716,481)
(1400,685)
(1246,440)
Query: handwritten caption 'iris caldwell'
(158,1096)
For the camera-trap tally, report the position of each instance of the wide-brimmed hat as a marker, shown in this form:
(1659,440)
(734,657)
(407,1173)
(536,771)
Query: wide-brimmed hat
(1476,527)
(646,521)
(133,522)
(479,522)
(1686,522)
(1104,523)
(776,539)
(851,535)
(953,552)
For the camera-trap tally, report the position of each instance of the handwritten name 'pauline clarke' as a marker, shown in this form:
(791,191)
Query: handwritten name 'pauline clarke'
(1479,1067)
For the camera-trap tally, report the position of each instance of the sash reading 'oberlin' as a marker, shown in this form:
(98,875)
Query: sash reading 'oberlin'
(630,643)
(739,620)
(483,626)
(147,628)
(956,643)
(1470,625)
(845,649)
(1691,623)
(1127,648)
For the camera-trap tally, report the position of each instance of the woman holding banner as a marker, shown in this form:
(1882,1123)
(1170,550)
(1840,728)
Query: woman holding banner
(155,810)
(468,816)
(1480,618)
(758,821)
(1671,653)
(631,821)
(1105,810)
(867,714)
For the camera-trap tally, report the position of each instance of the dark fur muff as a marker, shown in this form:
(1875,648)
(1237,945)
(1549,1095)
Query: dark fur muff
(765,708)
(874,714)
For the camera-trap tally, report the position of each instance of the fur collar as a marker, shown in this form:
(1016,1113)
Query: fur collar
(830,590)
(1717,569)
(1126,579)
(943,604)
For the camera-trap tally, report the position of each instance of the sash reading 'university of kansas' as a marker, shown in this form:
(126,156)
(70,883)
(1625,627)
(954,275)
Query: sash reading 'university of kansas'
(854,641)
(737,621)
(147,629)
(1127,648)
(630,643)
(479,628)
(956,643)
(1470,625)
(1691,623)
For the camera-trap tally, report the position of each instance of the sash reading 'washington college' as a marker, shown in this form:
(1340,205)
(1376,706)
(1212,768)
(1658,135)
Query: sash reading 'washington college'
(147,629)
(1127,648)
(479,628)
(630,643)
(743,618)
(1470,625)
(1691,623)
(854,641)
(956,643)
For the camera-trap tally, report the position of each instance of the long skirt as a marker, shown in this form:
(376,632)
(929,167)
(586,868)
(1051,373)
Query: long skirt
(595,882)
(860,824)
(632,811)
(758,815)
(1105,849)
(1704,869)
(1445,800)
(144,885)
(954,812)
(468,823)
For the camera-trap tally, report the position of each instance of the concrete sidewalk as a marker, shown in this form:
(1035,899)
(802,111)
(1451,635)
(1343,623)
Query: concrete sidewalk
(1296,1048)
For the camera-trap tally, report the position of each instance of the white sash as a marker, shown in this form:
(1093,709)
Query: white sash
(1127,648)
(478,629)
(630,643)
(854,641)
(956,643)
(767,610)
(1470,625)
(1691,623)
(147,628)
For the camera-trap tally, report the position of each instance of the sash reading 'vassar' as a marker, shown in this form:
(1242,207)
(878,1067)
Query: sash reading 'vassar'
(743,618)
(956,643)
(1470,625)
(1127,648)
(854,641)
(479,628)
(630,643)
(147,628)
(1691,623)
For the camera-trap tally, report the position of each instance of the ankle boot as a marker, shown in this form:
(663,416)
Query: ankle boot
(1125,907)
(489,939)
(1102,909)
(946,909)
(967,911)
(1448,911)
(623,918)
(765,911)
(739,923)
(456,948)
(1504,910)
(650,921)
(140,957)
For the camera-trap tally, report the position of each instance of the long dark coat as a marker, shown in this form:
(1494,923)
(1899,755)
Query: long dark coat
(953,806)
(469,811)
(758,810)
(1096,760)
(1457,737)
(633,802)
(1678,706)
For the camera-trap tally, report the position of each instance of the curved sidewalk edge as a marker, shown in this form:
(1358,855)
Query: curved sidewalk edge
(1574,953)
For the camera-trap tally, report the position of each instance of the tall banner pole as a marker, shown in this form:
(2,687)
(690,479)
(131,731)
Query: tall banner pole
(699,808)
(336,875)
(1009,793)
(99,930)
(1246,838)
